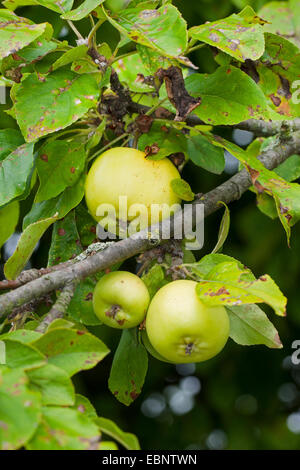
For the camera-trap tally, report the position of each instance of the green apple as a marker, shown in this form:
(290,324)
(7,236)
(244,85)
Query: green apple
(126,172)
(151,349)
(121,300)
(183,329)
(116,5)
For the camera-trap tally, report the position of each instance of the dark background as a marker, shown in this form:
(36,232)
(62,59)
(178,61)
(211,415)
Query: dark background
(247,397)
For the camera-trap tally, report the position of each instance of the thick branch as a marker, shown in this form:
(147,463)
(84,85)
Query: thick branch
(227,192)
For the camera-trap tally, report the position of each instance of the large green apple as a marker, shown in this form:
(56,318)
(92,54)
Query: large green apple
(183,329)
(123,171)
(121,299)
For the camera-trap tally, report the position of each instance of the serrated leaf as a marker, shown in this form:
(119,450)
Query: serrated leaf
(129,368)
(19,409)
(72,350)
(205,155)
(182,189)
(15,173)
(59,165)
(60,98)
(127,440)
(249,325)
(239,35)
(83,10)
(163,30)
(25,247)
(16,32)
(64,429)
(54,385)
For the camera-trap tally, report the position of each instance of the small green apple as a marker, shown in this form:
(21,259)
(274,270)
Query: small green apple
(183,329)
(121,300)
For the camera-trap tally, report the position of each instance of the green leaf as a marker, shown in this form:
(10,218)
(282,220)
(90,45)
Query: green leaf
(163,30)
(127,440)
(54,385)
(205,155)
(62,5)
(21,335)
(65,242)
(9,216)
(83,10)
(15,173)
(59,165)
(239,35)
(182,189)
(60,205)
(86,225)
(19,409)
(153,60)
(227,283)
(278,70)
(73,54)
(64,429)
(10,140)
(16,32)
(224,229)
(154,279)
(129,368)
(25,247)
(129,68)
(228,96)
(250,325)
(165,141)
(286,195)
(22,356)
(60,99)
(85,407)
(72,350)
(81,306)
(283,18)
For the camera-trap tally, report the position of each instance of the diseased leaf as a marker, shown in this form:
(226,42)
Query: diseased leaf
(73,54)
(15,173)
(164,30)
(283,19)
(19,409)
(250,325)
(127,440)
(65,244)
(227,283)
(162,141)
(72,350)
(64,428)
(25,247)
(60,98)
(83,10)
(81,306)
(228,96)
(16,32)
(239,35)
(59,165)
(129,368)
(61,6)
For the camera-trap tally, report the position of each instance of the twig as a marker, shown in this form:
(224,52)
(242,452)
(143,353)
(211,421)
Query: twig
(227,192)
(59,308)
